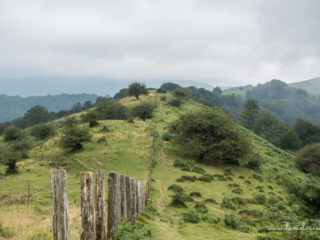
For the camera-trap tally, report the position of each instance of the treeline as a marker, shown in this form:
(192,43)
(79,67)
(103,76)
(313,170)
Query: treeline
(40,114)
(266,125)
(12,107)
(256,118)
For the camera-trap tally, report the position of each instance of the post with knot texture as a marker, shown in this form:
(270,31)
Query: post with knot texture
(87,207)
(100,205)
(114,205)
(60,213)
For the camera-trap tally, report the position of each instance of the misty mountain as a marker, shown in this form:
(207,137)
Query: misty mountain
(311,85)
(74,85)
(14,106)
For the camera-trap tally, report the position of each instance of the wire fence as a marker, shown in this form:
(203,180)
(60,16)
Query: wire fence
(26,195)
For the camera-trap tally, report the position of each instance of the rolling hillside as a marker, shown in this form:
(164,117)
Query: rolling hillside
(311,85)
(241,202)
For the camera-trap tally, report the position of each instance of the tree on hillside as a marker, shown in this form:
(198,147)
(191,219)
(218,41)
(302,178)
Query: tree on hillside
(267,127)
(307,132)
(136,89)
(169,86)
(12,133)
(73,136)
(90,117)
(249,114)
(9,158)
(42,131)
(121,94)
(211,135)
(289,140)
(111,109)
(182,92)
(35,115)
(217,91)
(308,159)
(143,111)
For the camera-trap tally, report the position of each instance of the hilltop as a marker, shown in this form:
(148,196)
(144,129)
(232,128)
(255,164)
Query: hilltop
(311,85)
(241,202)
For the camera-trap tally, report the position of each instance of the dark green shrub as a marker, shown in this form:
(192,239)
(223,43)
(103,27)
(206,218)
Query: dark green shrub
(247,182)
(90,117)
(189,178)
(73,136)
(12,133)
(198,170)
(179,199)
(175,188)
(175,102)
(182,92)
(42,131)
(206,178)
(258,177)
(104,129)
(238,201)
(227,203)
(260,199)
(166,136)
(186,169)
(143,111)
(102,139)
(195,194)
(201,207)
(198,136)
(237,191)
(241,177)
(252,213)
(253,164)
(231,222)
(191,216)
(126,231)
(308,159)
(163,98)
(161,90)
(111,109)
(210,200)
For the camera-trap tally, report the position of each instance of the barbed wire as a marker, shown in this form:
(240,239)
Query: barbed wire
(24,196)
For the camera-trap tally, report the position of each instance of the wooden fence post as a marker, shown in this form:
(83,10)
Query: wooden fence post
(87,206)
(100,205)
(114,205)
(133,200)
(123,192)
(142,202)
(60,214)
(138,203)
(128,197)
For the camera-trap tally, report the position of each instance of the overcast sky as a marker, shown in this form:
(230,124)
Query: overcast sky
(223,43)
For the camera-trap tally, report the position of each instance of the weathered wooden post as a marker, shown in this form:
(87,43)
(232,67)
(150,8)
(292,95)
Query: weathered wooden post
(100,205)
(133,200)
(60,214)
(114,205)
(138,203)
(87,207)
(123,192)
(142,202)
(128,197)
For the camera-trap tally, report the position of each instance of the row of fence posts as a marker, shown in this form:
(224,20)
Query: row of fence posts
(126,199)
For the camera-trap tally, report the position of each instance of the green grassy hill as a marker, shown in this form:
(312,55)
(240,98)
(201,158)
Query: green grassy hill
(241,202)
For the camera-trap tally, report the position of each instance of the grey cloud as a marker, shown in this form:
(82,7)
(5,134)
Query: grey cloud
(218,42)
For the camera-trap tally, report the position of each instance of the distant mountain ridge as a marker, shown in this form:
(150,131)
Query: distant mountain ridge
(14,106)
(311,85)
